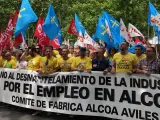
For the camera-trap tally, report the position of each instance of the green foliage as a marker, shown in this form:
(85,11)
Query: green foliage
(131,11)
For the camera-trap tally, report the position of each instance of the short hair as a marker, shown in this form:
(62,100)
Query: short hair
(48,47)
(114,49)
(153,49)
(126,43)
(139,46)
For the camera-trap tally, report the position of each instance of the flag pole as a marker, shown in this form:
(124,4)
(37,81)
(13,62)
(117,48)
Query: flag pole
(68,44)
(148,32)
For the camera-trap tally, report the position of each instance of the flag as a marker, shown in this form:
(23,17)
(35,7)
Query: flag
(133,31)
(23,44)
(1,39)
(79,26)
(80,40)
(155,21)
(124,33)
(88,40)
(101,30)
(43,40)
(94,37)
(15,18)
(25,17)
(6,37)
(18,40)
(72,28)
(109,30)
(152,13)
(51,25)
(56,43)
(114,28)
(9,29)
(138,41)
(90,43)
(39,33)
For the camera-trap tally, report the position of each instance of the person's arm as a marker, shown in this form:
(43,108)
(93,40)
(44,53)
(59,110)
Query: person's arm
(88,66)
(73,66)
(56,65)
(134,65)
(24,55)
(140,70)
(108,67)
(113,68)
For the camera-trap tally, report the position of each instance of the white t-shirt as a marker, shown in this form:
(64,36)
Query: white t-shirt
(21,65)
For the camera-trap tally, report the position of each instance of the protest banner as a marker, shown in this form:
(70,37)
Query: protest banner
(120,96)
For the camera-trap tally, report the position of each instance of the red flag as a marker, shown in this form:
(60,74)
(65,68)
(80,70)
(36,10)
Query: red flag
(1,40)
(4,40)
(9,29)
(55,43)
(15,18)
(39,33)
(138,41)
(72,28)
(18,40)
(6,37)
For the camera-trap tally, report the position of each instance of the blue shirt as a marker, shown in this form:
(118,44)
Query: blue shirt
(100,65)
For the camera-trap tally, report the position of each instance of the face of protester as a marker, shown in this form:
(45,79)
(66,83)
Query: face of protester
(124,47)
(87,53)
(113,51)
(102,49)
(100,53)
(150,53)
(65,53)
(8,56)
(48,52)
(138,51)
(92,55)
(76,51)
(71,49)
(82,54)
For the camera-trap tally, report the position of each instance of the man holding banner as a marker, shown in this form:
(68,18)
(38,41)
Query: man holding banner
(150,65)
(124,61)
(49,62)
(82,63)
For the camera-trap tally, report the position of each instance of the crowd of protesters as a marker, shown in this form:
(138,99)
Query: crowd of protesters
(76,58)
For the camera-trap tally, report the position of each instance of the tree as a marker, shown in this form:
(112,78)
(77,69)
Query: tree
(131,11)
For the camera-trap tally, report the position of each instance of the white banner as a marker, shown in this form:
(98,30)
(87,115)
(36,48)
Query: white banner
(120,96)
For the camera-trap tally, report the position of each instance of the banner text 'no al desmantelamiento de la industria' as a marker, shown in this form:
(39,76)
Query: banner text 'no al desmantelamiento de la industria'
(120,96)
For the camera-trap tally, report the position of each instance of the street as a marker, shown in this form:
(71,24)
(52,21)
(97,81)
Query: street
(8,112)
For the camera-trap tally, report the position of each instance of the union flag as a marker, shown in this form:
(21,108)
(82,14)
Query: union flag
(72,28)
